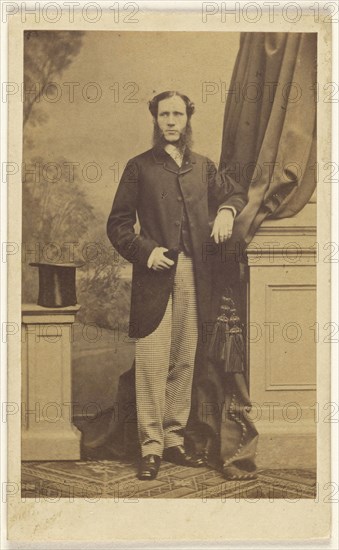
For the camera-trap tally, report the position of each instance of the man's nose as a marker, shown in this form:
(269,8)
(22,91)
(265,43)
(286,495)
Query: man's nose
(170,121)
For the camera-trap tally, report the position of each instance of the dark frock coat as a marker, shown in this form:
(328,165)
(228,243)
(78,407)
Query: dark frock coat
(154,189)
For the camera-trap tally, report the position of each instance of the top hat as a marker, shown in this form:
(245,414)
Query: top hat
(57,284)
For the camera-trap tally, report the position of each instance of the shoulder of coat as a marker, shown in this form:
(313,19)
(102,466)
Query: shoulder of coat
(203,159)
(142,156)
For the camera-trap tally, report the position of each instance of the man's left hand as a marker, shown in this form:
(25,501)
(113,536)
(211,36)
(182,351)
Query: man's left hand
(223,225)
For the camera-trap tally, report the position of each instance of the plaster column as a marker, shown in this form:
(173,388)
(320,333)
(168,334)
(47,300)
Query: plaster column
(47,429)
(282,339)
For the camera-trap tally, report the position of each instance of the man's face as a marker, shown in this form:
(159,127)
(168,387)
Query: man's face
(172,118)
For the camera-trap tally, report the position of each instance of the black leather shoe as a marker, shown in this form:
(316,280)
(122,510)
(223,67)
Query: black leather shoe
(178,455)
(149,467)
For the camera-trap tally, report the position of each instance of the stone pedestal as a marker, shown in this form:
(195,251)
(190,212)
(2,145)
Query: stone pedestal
(282,339)
(47,429)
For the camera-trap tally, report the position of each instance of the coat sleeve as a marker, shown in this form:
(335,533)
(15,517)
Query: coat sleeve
(121,221)
(223,190)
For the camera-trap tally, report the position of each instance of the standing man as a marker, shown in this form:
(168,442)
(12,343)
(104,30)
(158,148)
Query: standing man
(175,193)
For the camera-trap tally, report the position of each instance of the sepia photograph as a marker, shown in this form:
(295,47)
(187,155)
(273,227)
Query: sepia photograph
(172,314)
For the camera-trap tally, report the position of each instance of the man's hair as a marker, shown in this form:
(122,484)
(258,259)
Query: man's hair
(153,104)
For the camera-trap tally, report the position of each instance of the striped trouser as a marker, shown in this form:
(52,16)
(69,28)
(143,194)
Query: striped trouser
(164,363)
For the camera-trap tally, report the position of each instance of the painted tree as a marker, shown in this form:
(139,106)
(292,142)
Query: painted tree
(46,56)
(57,216)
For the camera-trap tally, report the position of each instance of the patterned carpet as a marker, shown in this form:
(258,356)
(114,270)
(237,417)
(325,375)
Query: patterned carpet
(117,479)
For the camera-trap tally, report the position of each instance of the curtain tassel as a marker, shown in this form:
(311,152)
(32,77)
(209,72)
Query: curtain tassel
(227,344)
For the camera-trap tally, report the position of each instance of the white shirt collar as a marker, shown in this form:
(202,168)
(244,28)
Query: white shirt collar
(175,153)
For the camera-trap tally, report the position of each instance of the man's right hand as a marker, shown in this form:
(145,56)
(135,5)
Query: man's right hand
(158,260)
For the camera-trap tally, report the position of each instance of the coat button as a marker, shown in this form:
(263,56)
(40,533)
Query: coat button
(177,224)
(179,199)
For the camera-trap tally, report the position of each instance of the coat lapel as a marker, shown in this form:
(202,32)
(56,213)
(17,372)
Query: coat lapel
(188,161)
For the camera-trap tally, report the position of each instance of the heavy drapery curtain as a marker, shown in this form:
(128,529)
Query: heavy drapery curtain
(268,147)
(269,134)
